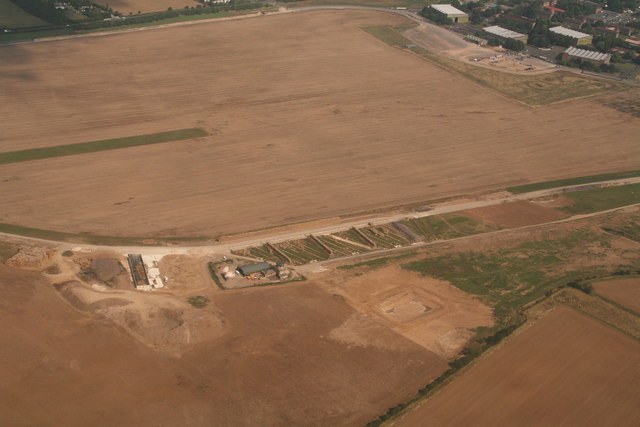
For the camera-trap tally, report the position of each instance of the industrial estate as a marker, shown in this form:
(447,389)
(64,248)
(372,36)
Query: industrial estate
(310,214)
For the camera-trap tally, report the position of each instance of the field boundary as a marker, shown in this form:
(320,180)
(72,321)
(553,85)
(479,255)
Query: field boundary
(102,145)
(545,185)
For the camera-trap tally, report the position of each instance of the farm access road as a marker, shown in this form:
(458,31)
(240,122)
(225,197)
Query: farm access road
(278,235)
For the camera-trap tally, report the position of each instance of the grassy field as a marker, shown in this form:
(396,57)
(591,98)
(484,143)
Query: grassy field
(507,279)
(571,181)
(600,199)
(11,16)
(447,226)
(542,89)
(104,145)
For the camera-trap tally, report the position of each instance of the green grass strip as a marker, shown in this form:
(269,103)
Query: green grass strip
(90,239)
(95,146)
(571,181)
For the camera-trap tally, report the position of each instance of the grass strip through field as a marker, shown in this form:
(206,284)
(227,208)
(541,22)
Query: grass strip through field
(526,188)
(90,239)
(541,89)
(95,146)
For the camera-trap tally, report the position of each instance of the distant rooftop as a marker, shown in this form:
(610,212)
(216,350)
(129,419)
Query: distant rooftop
(447,9)
(503,32)
(587,54)
(569,32)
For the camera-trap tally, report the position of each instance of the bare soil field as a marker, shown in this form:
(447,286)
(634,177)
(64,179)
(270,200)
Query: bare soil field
(517,214)
(327,121)
(134,6)
(74,354)
(432,313)
(567,369)
(625,292)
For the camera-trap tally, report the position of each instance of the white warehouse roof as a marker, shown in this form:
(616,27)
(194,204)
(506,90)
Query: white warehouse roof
(503,32)
(447,9)
(569,32)
(587,54)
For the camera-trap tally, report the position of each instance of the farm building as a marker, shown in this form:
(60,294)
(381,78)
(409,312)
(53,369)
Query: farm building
(504,34)
(456,15)
(475,39)
(580,38)
(588,55)
(253,270)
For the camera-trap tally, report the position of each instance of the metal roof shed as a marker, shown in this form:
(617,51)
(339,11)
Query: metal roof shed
(249,269)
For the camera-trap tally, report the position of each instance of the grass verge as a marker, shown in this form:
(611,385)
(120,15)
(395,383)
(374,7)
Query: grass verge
(571,181)
(534,90)
(59,236)
(103,145)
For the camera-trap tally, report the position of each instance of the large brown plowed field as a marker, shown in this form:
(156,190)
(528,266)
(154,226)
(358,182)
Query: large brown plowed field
(567,369)
(309,117)
(290,355)
(625,292)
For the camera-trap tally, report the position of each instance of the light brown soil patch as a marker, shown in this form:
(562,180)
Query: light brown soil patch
(331,121)
(185,272)
(516,214)
(430,312)
(290,355)
(623,291)
(567,369)
(145,6)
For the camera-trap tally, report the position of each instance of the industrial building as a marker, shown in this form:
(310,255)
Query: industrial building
(256,270)
(456,15)
(588,55)
(504,34)
(580,38)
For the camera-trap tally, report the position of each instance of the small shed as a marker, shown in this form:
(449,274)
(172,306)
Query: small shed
(250,269)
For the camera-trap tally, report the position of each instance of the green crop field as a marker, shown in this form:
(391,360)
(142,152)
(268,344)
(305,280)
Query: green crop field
(13,17)
(507,279)
(95,146)
(571,181)
(600,199)
(447,226)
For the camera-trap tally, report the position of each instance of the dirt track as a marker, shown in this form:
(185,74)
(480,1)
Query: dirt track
(567,369)
(318,126)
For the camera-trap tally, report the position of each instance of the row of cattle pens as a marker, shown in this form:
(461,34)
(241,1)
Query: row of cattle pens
(356,241)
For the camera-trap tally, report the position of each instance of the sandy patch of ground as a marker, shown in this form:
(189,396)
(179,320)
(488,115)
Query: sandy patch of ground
(163,322)
(623,291)
(85,354)
(186,273)
(308,107)
(516,214)
(432,313)
(567,369)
